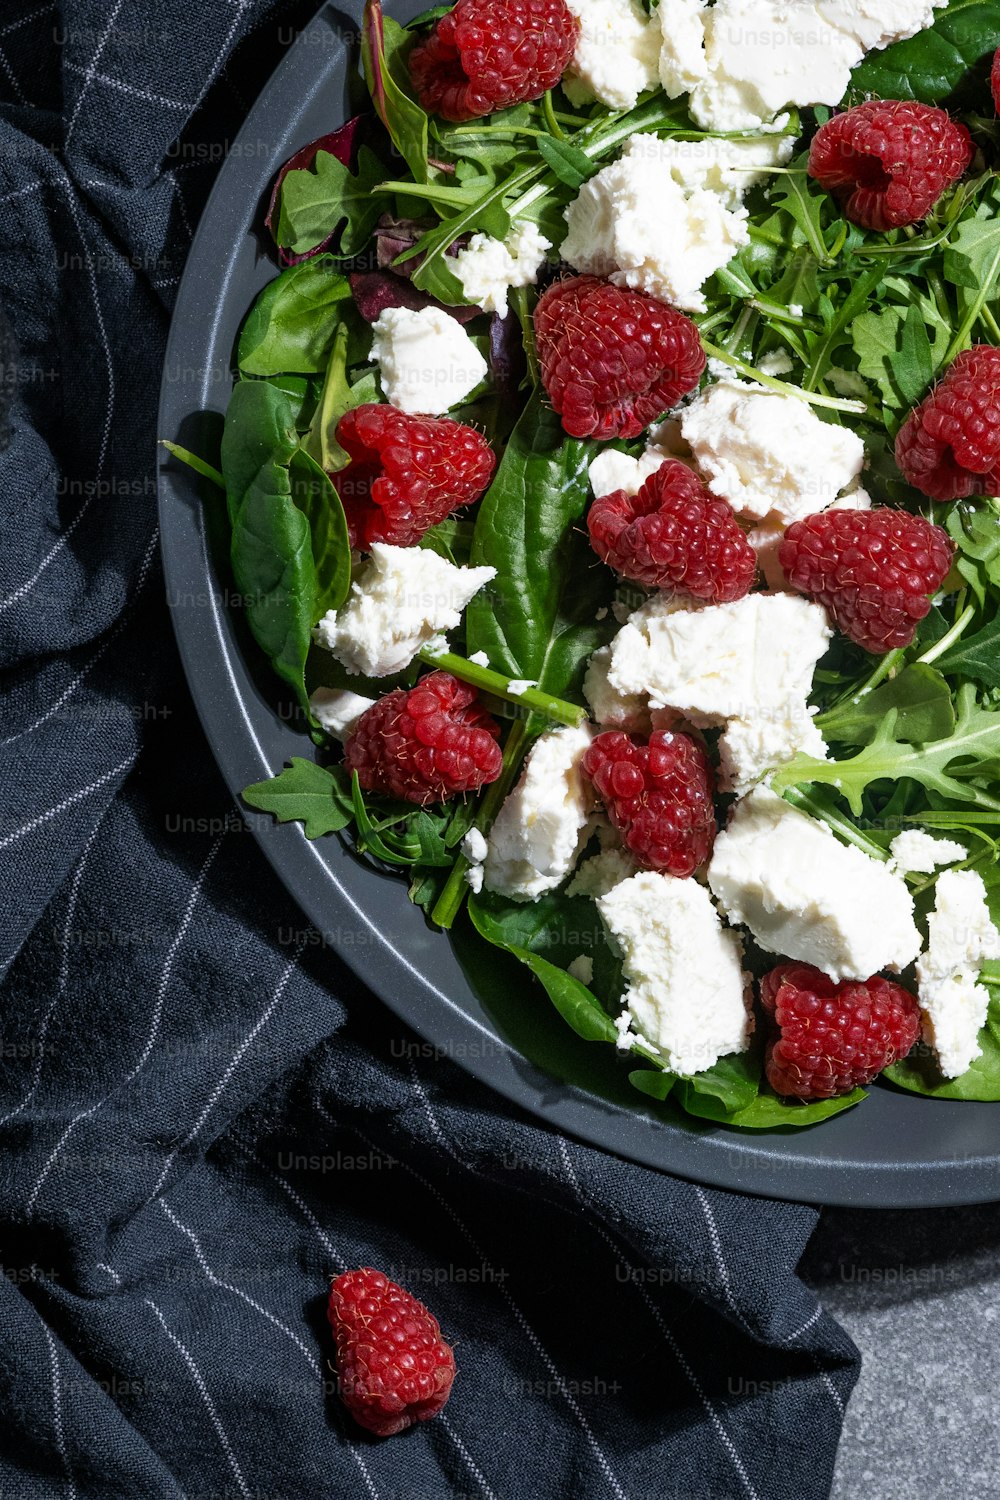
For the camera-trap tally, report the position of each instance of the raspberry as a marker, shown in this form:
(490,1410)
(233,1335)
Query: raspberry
(658,795)
(426,743)
(873,570)
(831,1038)
(674,535)
(406,473)
(613,360)
(949,447)
(889,161)
(489,54)
(393,1367)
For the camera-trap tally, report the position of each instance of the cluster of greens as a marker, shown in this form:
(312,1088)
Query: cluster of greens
(868,322)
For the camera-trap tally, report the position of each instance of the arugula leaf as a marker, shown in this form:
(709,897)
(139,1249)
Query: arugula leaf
(292,323)
(568,163)
(976,656)
(799,196)
(316,202)
(920,697)
(937,62)
(536,620)
(316,796)
(972,263)
(895,351)
(955,767)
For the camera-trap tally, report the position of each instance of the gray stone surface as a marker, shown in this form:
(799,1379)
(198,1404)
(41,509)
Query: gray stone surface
(919,1292)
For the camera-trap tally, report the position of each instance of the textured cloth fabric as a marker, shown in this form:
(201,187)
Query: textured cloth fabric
(203,1114)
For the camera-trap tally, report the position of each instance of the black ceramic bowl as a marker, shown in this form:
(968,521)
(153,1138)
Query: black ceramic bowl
(897,1149)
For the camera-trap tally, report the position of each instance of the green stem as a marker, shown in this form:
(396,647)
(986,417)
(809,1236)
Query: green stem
(989,322)
(550,116)
(950,637)
(886,666)
(488,681)
(194,462)
(449,903)
(832,403)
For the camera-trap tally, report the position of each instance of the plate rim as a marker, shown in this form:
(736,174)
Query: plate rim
(209,664)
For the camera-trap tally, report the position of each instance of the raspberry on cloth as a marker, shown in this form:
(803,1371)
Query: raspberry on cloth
(613,360)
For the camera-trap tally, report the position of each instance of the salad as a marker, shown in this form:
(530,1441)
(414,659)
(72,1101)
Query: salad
(612,473)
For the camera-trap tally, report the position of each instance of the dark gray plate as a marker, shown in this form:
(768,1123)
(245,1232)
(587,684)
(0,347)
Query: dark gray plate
(895,1150)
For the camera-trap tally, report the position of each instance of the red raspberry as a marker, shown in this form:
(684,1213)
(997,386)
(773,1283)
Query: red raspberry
(995,80)
(426,743)
(873,570)
(393,1367)
(489,54)
(889,161)
(613,360)
(949,447)
(658,795)
(674,535)
(406,473)
(832,1038)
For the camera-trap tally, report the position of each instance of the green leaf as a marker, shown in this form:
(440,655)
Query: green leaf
(655,1085)
(728,1087)
(316,498)
(769,1112)
(568,163)
(537,619)
(316,201)
(579,1008)
(972,263)
(259,428)
(948,58)
(384,48)
(292,324)
(920,1075)
(921,698)
(895,351)
(336,398)
(800,197)
(317,797)
(976,656)
(959,768)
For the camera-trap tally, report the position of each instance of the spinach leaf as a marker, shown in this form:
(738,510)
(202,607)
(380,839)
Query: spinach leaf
(919,1072)
(537,619)
(725,1089)
(938,62)
(315,796)
(921,698)
(259,427)
(728,1094)
(319,502)
(292,324)
(316,202)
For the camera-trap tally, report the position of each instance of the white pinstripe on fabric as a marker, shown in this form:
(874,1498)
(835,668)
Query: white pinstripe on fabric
(42,10)
(70,801)
(153,1030)
(214,1417)
(99,52)
(128,88)
(57,1421)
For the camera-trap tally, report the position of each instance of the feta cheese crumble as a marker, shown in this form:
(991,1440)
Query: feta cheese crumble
(720,661)
(769,455)
(617,53)
(399,601)
(600,873)
(806,896)
(610,708)
(750,747)
(635,223)
(543,824)
(914,852)
(582,968)
(961,937)
(758,56)
(488,268)
(427,362)
(612,470)
(686,991)
(337,710)
(726,167)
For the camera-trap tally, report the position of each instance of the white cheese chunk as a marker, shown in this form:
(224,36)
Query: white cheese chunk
(337,710)
(728,168)
(400,600)
(686,991)
(612,470)
(488,268)
(582,968)
(720,661)
(744,60)
(808,897)
(474,846)
(961,938)
(544,822)
(427,362)
(769,455)
(635,223)
(617,52)
(749,748)
(600,873)
(610,708)
(914,852)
